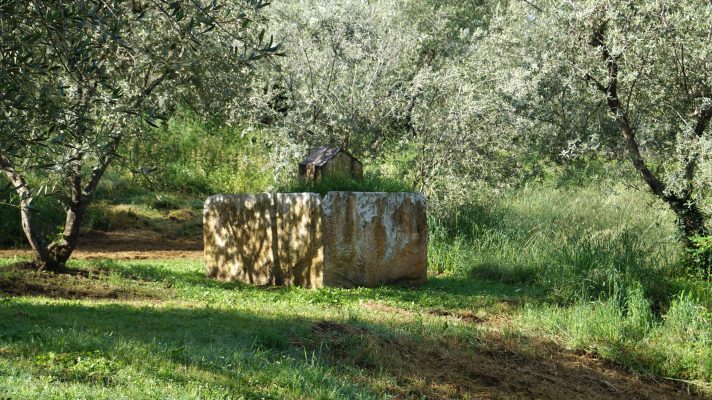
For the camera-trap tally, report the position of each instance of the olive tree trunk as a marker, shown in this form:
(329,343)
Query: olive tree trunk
(52,255)
(690,217)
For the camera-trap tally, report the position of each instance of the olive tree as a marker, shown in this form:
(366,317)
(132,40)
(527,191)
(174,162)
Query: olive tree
(389,80)
(344,79)
(79,77)
(632,76)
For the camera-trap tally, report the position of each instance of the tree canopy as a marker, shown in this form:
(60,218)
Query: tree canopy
(455,97)
(79,77)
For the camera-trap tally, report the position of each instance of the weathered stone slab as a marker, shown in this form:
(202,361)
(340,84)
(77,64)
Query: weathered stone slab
(374,238)
(264,238)
(300,244)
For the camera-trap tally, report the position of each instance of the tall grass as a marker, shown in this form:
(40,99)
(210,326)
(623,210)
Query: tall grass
(579,243)
(624,328)
(610,266)
(190,155)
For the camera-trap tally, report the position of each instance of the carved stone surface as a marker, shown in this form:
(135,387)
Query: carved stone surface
(264,238)
(374,238)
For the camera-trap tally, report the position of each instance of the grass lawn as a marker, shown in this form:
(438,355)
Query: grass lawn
(159,329)
(547,294)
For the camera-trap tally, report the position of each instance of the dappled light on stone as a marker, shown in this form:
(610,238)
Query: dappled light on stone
(348,239)
(264,239)
(372,239)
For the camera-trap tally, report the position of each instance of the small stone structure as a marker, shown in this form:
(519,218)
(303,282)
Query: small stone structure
(326,161)
(347,239)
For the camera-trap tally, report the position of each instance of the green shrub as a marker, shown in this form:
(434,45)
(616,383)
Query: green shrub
(10,229)
(51,218)
(701,255)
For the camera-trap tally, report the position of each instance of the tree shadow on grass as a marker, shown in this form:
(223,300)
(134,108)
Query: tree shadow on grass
(453,292)
(158,273)
(23,279)
(439,292)
(92,280)
(237,352)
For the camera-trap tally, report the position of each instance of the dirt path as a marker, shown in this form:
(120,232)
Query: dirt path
(128,245)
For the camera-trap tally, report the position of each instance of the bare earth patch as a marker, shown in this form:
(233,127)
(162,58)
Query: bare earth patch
(493,369)
(22,279)
(464,316)
(128,245)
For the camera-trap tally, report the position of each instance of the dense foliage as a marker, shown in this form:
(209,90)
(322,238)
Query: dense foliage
(459,98)
(79,77)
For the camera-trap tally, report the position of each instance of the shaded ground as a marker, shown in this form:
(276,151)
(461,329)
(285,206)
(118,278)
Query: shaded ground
(22,279)
(491,368)
(128,245)
(437,366)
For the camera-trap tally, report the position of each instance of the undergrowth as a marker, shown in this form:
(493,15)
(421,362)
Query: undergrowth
(370,183)
(190,155)
(609,262)
(592,266)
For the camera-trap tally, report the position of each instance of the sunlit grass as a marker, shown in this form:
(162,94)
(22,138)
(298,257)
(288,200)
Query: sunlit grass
(587,270)
(173,333)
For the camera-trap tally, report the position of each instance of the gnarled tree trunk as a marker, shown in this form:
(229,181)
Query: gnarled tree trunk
(690,218)
(60,250)
(53,255)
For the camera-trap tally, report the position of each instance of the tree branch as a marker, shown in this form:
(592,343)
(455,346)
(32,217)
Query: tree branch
(703,120)
(97,172)
(621,116)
